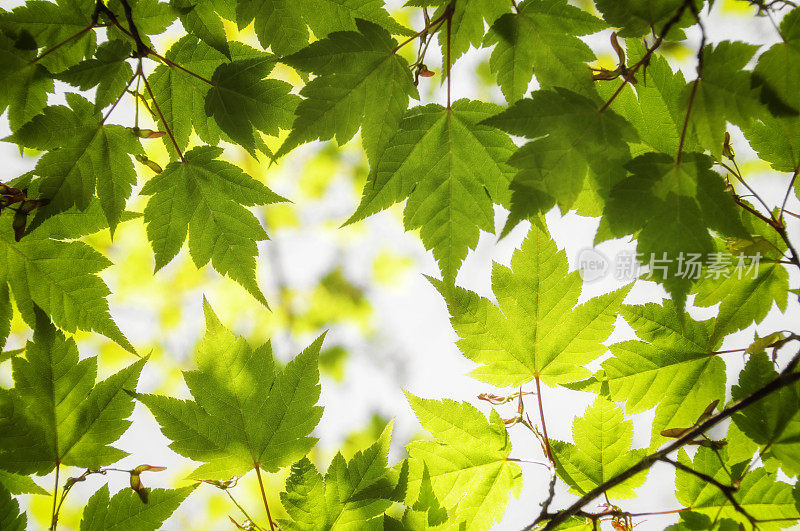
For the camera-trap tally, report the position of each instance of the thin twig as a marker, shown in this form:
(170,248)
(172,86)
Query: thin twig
(241,509)
(646,57)
(437,20)
(786,197)
(727,490)
(449,31)
(695,83)
(786,378)
(119,98)
(549,451)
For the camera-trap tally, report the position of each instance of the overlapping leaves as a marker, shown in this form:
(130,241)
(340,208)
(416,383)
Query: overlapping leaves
(246,412)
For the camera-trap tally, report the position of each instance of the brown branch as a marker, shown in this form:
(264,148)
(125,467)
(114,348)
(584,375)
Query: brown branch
(786,378)
(727,490)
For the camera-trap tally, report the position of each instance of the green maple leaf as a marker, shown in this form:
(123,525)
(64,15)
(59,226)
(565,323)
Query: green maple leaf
(467,462)
(246,412)
(451,169)
(542,39)
(11,518)
(760,494)
(574,143)
(601,451)
(281,24)
(84,155)
(723,94)
(748,287)
(635,18)
(671,207)
(49,24)
(672,368)
(24,84)
(241,100)
(234,93)
(58,276)
(774,421)
(205,198)
(352,495)
(535,331)
(17,484)
(776,136)
(56,413)
(653,106)
(467,22)
(201,19)
(125,511)
(109,71)
(361,82)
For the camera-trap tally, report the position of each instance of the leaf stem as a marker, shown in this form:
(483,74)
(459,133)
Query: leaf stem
(227,491)
(548,450)
(786,197)
(695,83)
(264,497)
(54,514)
(163,121)
(119,98)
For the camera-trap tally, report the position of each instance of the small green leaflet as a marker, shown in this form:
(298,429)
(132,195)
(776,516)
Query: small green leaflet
(361,82)
(11,518)
(774,421)
(451,169)
(60,277)
(125,511)
(601,451)
(281,24)
(108,70)
(48,24)
(671,207)
(56,413)
(246,412)
(426,512)
(759,493)
(723,94)
(573,141)
(352,495)
(84,155)
(24,85)
(535,331)
(241,100)
(542,39)
(672,367)
(205,198)
(467,462)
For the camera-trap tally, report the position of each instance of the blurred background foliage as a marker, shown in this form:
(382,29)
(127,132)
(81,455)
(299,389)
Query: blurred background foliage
(355,282)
